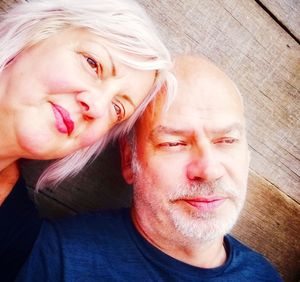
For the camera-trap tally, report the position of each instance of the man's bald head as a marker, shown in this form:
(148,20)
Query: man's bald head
(194,72)
(189,69)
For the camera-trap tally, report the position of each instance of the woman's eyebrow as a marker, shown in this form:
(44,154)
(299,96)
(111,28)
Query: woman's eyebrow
(113,67)
(113,72)
(128,99)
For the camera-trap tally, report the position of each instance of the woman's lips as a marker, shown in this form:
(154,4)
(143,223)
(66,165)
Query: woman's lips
(63,121)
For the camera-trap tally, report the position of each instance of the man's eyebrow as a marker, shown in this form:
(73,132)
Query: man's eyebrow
(161,129)
(232,127)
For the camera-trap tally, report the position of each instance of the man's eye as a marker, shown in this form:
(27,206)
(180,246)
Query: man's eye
(227,140)
(172,144)
(94,65)
(119,110)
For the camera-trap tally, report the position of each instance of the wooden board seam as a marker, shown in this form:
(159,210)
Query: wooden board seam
(280,23)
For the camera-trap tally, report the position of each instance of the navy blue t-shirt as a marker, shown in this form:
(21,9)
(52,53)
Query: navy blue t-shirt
(19,227)
(107,247)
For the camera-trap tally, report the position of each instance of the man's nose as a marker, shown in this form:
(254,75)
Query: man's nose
(96,101)
(204,165)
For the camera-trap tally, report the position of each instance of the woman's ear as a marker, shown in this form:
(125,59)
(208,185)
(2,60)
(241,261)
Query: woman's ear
(126,160)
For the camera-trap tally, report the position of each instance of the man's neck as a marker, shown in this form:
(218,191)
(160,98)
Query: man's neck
(203,254)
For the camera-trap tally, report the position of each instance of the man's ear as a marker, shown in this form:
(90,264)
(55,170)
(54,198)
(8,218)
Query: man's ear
(126,160)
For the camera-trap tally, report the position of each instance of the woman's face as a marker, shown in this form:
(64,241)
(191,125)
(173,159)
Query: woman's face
(66,92)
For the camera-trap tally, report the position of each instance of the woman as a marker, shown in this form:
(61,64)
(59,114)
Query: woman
(73,75)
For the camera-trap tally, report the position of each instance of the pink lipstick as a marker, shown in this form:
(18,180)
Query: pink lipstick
(63,121)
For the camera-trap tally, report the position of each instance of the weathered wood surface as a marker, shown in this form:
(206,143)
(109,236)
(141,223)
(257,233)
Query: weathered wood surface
(287,12)
(5,4)
(270,224)
(256,52)
(96,187)
(264,60)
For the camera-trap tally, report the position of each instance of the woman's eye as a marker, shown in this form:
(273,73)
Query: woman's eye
(94,65)
(119,111)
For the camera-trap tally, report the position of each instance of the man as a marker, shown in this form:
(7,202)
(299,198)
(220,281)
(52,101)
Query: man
(188,166)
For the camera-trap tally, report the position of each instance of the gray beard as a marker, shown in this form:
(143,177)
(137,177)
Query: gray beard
(196,225)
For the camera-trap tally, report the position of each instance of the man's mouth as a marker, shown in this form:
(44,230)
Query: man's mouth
(205,204)
(63,121)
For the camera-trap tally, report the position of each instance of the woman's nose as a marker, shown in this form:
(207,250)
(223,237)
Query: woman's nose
(95,102)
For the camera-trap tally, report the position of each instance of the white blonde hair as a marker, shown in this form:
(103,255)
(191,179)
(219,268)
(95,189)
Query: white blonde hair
(125,27)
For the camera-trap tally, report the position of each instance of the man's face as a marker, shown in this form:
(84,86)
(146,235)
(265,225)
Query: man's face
(191,162)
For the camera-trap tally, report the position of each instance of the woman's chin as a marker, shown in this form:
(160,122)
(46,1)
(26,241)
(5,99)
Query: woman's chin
(45,148)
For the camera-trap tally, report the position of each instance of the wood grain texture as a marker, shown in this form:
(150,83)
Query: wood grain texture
(49,207)
(99,186)
(270,224)
(264,61)
(287,12)
(5,4)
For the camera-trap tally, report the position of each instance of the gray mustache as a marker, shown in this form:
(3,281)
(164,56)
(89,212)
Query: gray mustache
(216,188)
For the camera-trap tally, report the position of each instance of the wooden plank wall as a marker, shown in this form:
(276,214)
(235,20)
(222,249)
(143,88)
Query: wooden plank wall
(257,44)
(286,12)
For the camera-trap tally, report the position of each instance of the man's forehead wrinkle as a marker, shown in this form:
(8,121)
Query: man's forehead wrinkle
(171,130)
(194,123)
